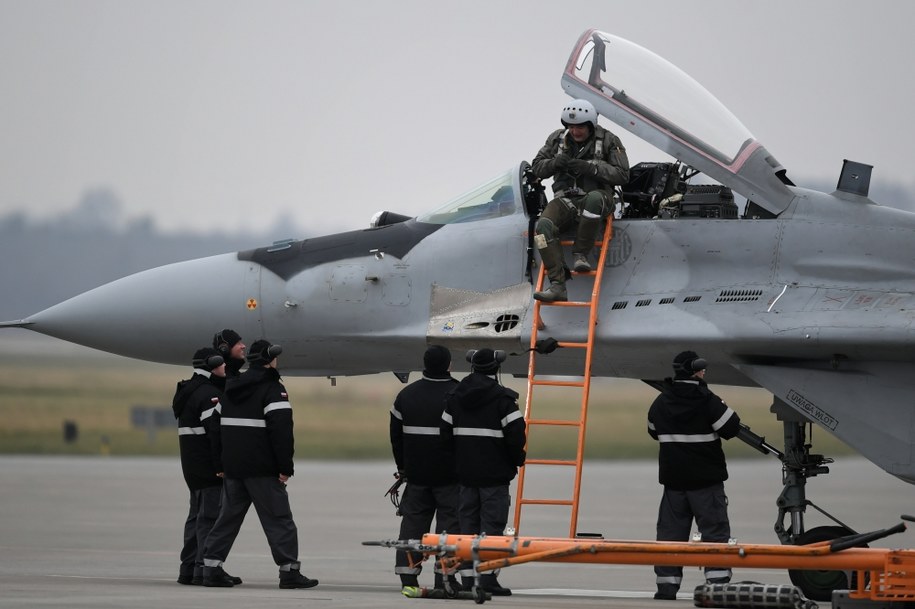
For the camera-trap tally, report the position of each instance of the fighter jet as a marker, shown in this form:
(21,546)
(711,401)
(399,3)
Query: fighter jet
(810,295)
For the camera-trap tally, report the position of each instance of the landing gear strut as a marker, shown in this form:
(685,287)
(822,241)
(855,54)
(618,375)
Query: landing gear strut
(799,464)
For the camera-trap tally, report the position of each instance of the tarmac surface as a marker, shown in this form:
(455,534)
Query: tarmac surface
(104,532)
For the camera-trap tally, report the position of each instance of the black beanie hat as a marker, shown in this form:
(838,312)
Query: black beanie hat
(262,353)
(207,359)
(485,360)
(686,364)
(437,359)
(225,340)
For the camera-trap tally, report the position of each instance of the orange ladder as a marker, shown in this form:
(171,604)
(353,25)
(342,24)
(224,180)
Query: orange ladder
(584,385)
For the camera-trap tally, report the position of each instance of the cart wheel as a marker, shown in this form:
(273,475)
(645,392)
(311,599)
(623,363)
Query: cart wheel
(479,595)
(818,585)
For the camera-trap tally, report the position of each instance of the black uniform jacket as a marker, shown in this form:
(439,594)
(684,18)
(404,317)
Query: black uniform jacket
(482,421)
(416,440)
(196,406)
(257,429)
(688,421)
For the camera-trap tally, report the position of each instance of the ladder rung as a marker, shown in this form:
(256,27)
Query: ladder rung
(553,422)
(601,242)
(568,303)
(545,501)
(559,383)
(573,345)
(550,462)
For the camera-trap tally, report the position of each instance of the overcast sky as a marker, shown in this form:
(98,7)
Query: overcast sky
(234,113)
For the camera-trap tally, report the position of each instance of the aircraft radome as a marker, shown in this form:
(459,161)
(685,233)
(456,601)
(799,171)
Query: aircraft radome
(810,295)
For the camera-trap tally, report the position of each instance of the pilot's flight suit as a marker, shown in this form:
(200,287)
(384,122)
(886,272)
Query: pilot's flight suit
(583,195)
(688,421)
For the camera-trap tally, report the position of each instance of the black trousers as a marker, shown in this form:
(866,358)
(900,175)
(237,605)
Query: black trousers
(271,502)
(483,510)
(709,508)
(203,509)
(417,507)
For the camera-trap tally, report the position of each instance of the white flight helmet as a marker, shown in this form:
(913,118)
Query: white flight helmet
(578,112)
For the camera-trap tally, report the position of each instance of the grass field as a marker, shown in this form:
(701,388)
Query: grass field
(42,388)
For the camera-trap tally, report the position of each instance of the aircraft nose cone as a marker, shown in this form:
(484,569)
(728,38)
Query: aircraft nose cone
(162,314)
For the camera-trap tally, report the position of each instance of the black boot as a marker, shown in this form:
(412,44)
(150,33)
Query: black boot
(666,592)
(186,578)
(490,584)
(215,577)
(293,578)
(235,580)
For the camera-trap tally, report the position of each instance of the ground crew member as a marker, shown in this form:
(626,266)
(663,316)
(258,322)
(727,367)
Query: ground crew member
(232,349)
(585,161)
(425,463)
(258,445)
(688,421)
(197,409)
(482,422)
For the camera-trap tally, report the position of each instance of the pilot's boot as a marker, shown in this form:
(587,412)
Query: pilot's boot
(584,242)
(556,271)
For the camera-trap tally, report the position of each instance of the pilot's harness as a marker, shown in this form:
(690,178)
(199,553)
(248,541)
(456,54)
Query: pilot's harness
(535,197)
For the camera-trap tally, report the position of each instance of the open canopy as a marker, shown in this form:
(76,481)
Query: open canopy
(659,103)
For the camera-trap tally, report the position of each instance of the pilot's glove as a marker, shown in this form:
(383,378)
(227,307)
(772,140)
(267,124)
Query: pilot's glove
(580,167)
(562,161)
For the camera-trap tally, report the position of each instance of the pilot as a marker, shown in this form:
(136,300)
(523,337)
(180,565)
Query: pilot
(688,421)
(197,408)
(258,445)
(425,463)
(585,161)
(230,346)
(482,423)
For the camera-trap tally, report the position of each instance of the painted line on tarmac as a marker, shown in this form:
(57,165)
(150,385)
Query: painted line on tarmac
(595,593)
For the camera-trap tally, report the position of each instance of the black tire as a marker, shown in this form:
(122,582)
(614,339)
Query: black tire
(818,585)
(479,595)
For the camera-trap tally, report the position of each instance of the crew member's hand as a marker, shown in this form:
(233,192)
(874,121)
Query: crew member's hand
(284,478)
(220,474)
(562,161)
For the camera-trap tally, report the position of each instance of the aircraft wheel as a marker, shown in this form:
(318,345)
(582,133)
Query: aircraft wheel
(818,585)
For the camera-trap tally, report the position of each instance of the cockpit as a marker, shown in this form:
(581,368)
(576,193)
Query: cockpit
(716,164)
(657,102)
